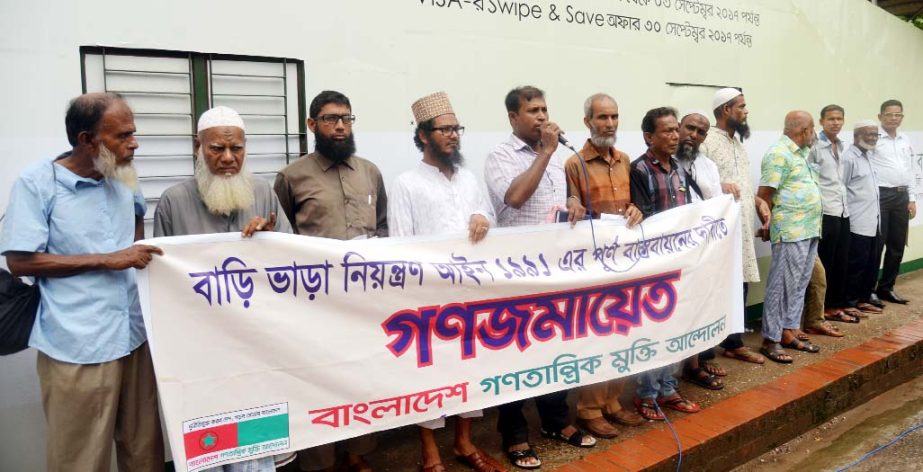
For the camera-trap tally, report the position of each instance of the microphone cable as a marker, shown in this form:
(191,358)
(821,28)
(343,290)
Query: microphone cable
(589,207)
(586,175)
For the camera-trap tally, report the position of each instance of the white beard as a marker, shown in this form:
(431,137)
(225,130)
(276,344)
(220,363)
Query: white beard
(602,142)
(864,145)
(223,195)
(107,165)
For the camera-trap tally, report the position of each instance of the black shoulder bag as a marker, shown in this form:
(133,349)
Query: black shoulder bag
(19,301)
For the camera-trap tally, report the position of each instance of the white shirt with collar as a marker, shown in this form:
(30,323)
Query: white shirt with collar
(893,163)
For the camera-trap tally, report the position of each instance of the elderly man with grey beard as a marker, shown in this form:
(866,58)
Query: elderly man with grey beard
(705,182)
(863,200)
(222,197)
(71,223)
(597,177)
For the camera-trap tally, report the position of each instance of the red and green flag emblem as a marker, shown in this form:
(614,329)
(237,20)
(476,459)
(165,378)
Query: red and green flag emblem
(233,436)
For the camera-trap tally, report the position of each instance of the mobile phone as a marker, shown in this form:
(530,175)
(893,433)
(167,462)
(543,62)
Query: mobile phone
(561,216)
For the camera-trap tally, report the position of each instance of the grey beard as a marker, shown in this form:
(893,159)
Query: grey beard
(602,142)
(107,165)
(864,145)
(686,152)
(223,195)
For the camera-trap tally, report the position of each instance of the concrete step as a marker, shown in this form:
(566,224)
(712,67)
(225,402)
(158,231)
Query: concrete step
(737,429)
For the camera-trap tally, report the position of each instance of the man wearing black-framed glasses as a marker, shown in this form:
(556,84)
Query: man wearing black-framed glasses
(333,193)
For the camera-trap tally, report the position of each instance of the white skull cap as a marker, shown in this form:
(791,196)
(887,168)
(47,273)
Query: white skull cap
(220,116)
(723,96)
(864,124)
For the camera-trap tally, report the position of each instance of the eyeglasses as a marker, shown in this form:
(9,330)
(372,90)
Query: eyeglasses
(333,119)
(894,115)
(448,130)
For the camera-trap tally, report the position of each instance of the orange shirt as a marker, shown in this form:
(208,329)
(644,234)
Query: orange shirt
(608,182)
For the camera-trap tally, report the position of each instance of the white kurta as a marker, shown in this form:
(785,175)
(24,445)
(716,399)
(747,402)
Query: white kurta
(424,201)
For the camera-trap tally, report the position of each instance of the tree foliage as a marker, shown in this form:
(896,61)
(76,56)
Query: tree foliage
(916,21)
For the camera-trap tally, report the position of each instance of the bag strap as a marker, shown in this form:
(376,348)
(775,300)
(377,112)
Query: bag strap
(54,192)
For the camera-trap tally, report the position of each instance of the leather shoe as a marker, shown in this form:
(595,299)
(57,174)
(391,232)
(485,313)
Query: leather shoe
(892,296)
(874,300)
(598,427)
(625,417)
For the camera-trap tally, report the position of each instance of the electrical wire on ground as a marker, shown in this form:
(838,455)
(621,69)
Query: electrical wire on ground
(882,447)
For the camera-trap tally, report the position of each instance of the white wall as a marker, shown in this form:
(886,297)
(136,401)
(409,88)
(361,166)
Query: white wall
(385,54)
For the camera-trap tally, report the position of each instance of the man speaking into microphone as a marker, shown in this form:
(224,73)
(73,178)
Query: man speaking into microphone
(524,178)
(527,186)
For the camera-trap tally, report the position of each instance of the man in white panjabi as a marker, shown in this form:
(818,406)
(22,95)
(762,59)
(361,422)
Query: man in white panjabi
(439,196)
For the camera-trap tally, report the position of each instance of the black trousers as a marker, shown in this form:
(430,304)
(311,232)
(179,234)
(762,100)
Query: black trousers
(863,267)
(512,424)
(733,341)
(833,251)
(895,219)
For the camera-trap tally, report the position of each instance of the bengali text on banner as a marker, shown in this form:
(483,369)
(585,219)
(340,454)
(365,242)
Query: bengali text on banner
(283,342)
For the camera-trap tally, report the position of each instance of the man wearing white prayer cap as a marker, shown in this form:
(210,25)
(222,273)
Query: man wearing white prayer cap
(862,199)
(730,110)
(222,197)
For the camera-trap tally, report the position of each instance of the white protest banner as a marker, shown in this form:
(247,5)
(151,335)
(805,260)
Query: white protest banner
(284,342)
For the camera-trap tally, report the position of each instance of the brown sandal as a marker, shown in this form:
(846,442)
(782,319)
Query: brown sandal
(481,462)
(746,356)
(437,467)
(714,369)
(824,329)
(647,409)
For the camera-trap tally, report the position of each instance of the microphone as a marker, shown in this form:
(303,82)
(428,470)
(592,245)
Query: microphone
(563,141)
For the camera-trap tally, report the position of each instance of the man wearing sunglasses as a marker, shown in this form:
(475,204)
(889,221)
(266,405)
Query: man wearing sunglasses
(892,164)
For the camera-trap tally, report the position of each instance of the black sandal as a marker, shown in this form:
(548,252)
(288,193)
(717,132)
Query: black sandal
(516,457)
(802,346)
(703,378)
(775,353)
(575,439)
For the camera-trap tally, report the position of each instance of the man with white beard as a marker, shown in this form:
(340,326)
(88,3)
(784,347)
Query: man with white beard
(71,223)
(222,196)
(863,200)
(600,183)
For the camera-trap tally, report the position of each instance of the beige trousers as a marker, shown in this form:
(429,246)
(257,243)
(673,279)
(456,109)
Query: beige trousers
(88,405)
(603,397)
(813,314)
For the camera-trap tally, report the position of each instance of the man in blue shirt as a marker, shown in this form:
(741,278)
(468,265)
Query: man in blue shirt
(71,224)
